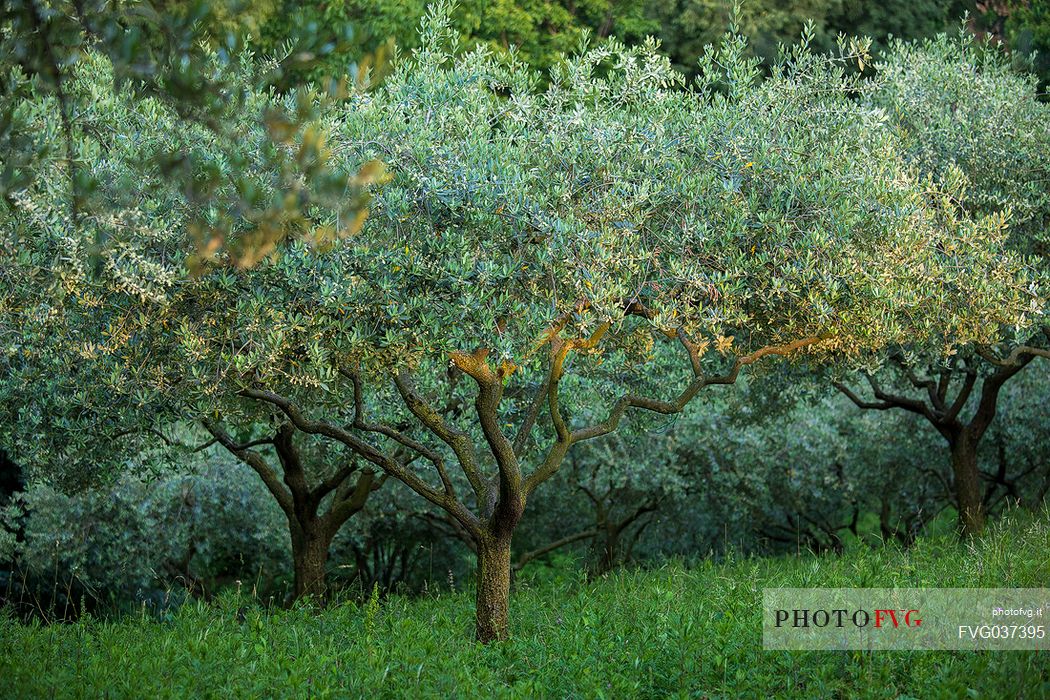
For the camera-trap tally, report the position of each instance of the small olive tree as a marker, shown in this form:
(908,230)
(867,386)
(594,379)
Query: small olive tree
(528,243)
(611,491)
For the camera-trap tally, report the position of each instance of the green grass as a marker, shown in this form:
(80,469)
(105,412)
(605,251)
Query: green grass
(675,631)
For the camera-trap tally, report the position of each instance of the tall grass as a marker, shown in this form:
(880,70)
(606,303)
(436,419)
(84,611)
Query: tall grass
(676,631)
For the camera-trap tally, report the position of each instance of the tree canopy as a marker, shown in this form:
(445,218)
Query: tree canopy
(964,114)
(546,256)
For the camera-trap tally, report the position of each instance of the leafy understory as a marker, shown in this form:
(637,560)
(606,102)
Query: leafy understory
(680,630)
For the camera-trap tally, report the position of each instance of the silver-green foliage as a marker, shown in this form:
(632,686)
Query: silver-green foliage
(737,215)
(960,105)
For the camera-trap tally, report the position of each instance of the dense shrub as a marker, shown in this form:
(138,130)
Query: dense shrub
(142,541)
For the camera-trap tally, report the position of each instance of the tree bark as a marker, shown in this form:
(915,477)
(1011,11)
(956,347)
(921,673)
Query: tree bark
(967,485)
(493,588)
(310,560)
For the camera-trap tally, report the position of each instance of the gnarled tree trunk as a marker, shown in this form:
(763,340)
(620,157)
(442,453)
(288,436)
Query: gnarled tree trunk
(312,528)
(493,588)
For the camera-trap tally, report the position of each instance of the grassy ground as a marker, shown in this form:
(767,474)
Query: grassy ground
(675,631)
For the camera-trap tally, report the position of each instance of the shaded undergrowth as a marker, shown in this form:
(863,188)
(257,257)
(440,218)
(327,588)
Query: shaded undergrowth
(674,631)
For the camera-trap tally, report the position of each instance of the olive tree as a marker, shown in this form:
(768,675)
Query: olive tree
(964,114)
(611,491)
(527,239)
(526,235)
(81,282)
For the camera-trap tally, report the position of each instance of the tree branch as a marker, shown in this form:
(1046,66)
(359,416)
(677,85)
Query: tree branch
(511,498)
(340,511)
(908,404)
(986,405)
(1015,355)
(533,413)
(928,384)
(360,423)
(335,481)
(699,381)
(257,463)
(291,463)
(557,544)
(961,398)
(859,402)
(459,441)
(369,452)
